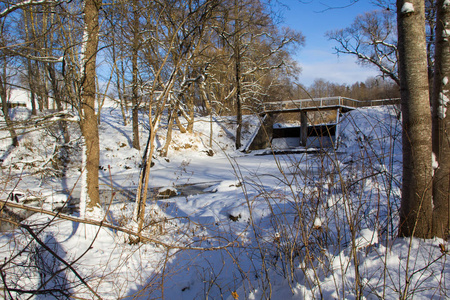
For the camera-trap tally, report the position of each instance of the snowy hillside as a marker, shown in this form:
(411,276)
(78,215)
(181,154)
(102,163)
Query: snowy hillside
(241,226)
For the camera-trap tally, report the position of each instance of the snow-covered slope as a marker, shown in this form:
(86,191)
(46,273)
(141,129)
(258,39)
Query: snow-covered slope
(242,226)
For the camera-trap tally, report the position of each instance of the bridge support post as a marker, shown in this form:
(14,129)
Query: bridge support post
(264,135)
(303,128)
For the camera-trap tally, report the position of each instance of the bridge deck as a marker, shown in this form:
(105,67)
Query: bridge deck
(328,103)
(312,108)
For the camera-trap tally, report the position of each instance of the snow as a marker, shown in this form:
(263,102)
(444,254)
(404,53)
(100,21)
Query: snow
(407,8)
(443,102)
(317,223)
(83,188)
(241,226)
(19,96)
(367,237)
(434,162)
(445,34)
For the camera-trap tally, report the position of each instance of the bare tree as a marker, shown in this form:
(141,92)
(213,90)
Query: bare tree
(164,64)
(88,116)
(135,80)
(416,204)
(6,61)
(254,48)
(35,45)
(117,55)
(5,103)
(372,38)
(441,122)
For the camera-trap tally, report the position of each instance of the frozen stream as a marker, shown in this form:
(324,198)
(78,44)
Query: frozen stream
(187,176)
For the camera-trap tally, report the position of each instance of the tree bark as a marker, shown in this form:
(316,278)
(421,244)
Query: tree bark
(171,115)
(441,122)
(31,74)
(416,203)
(134,62)
(32,85)
(89,124)
(57,99)
(237,57)
(5,110)
(208,105)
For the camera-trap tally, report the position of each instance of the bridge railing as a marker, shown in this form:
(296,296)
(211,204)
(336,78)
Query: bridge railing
(324,102)
(310,103)
(392,101)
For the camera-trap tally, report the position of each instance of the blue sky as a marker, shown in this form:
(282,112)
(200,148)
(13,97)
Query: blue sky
(317,57)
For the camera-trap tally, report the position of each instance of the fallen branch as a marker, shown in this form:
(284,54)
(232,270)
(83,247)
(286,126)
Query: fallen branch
(105,224)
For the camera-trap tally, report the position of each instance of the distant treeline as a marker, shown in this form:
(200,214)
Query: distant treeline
(371,89)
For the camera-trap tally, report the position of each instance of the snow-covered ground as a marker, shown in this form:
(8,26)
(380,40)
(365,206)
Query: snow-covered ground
(243,226)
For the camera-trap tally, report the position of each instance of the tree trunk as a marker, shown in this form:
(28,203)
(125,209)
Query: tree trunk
(416,204)
(208,105)
(120,87)
(31,74)
(57,99)
(171,115)
(33,103)
(5,110)
(441,122)
(134,62)
(237,57)
(191,115)
(141,194)
(89,124)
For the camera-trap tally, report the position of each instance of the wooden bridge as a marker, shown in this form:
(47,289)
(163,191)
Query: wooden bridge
(307,135)
(328,103)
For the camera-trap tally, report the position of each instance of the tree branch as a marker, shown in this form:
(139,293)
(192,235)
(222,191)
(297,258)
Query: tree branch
(104,224)
(23,4)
